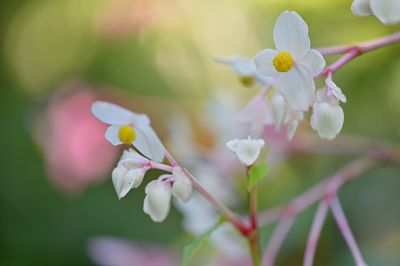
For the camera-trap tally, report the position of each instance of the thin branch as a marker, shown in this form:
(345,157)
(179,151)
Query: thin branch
(344,227)
(315,232)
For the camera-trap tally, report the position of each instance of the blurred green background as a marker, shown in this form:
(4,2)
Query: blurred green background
(156,56)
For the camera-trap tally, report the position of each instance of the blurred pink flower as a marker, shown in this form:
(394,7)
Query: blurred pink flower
(76,152)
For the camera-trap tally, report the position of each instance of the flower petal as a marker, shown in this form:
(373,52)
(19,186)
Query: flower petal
(148,143)
(361,8)
(279,108)
(387,11)
(248,150)
(298,88)
(263,61)
(313,61)
(291,34)
(113,114)
(112,133)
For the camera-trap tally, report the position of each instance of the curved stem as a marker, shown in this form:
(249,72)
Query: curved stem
(253,237)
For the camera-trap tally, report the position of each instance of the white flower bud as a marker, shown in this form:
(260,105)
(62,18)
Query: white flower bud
(133,159)
(327,119)
(135,176)
(182,186)
(157,200)
(279,107)
(122,183)
(247,150)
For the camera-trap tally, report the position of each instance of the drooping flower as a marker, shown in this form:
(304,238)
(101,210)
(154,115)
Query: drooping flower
(247,150)
(293,64)
(182,187)
(157,200)
(328,117)
(246,69)
(129,128)
(129,172)
(387,11)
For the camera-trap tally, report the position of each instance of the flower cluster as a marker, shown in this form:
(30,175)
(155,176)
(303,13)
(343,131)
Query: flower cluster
(134,129)
(290,70)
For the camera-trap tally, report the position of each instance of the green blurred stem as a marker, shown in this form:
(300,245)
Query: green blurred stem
(253,236)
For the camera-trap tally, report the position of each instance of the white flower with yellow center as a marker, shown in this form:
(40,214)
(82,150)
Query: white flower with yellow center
(246,69)
(247,150)
(387,11)
(293,63)
(328,117)
(129,128)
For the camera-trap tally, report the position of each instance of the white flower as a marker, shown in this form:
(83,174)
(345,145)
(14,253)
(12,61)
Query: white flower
(182,186)
(279,108)
(246,69)
(387,11)
(292,122)
(328,117)
(293,63)
(157,200)
(247,150)
(129,173)
(129,128)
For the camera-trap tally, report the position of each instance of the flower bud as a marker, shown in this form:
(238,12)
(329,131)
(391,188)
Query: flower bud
(122,183)
(279,107)
(182,186)
(247,150)
(157,200)
(132,159)
(327,119)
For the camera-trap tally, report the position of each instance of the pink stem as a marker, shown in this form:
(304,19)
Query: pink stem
(344,227)
(352,51)
(315,233)
(276,240)
(160,166)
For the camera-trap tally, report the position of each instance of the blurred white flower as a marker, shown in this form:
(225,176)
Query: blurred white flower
(247,150)
(293,64)
(387,11)
(129,128)
(292,122)
(130,172)
(182,187)
(328,117)
(246,69)
(157,200)
(279,108)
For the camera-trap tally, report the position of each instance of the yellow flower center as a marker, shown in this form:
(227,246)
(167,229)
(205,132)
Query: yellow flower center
(283,62)
(126,134)
(247,80)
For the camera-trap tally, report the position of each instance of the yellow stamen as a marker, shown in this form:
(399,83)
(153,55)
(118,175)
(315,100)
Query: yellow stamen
(126,134)
(283,62)
(247,80)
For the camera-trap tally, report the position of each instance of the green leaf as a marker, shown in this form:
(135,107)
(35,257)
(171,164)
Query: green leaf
(193,246)
(256,174)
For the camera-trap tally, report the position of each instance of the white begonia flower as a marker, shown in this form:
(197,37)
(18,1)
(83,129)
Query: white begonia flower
(129,128)
(328,117)
(293,64)
(129,173)
(387,11)
(157,200)
(246,70)
(247,150)
(182,187)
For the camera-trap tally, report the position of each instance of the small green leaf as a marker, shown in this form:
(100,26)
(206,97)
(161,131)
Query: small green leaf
(193,246)
(256,174)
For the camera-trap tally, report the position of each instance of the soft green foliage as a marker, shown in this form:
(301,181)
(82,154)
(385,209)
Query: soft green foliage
(256,174)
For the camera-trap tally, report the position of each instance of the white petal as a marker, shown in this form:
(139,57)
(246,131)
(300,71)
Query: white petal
(157,201)
(135,176)
(242,66)
(182,186)
(148,143)
(113,114)
(292,128)
(279,108)
(232,144)
(298,88)
(132,159)
(387,11)
(122,184)
(112,135)
(248,150)
(313,61)
(327,119)
(257,112)
(361,8)
(335,91)
(263,61)
(291,34)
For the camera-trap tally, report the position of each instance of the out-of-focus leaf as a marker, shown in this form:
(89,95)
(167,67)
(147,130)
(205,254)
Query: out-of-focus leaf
(256,174)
